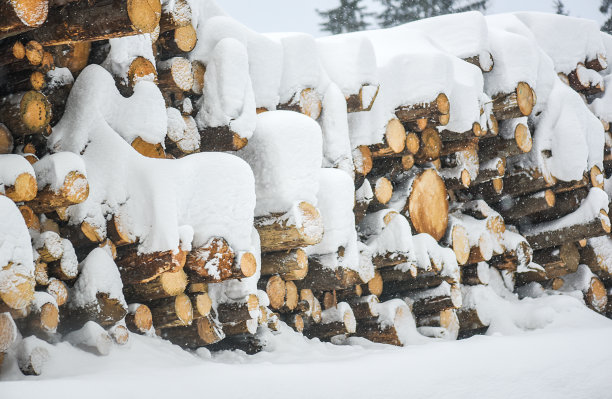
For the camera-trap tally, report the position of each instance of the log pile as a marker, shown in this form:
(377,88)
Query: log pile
(436,211)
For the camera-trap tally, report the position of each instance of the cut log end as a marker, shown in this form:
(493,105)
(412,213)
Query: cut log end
(141,69)
(383,190)
(428,204)
(605,220)
(276,288)
(395,135)
(597,178)
(466,180)
(375,285)
(523,138)
(24,189)
(185,38)
(144,14)
(149,150)
(248,264)
(32,13)
(461,244)
(362,158)
(412,142)
(550,197)
(139,320)
(443,104)
(596,296)
(35,111)
(525,97)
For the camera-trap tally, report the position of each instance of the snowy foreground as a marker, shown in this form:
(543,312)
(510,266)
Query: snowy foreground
(566,355)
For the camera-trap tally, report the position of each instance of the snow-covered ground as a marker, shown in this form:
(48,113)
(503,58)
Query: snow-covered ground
(570,356)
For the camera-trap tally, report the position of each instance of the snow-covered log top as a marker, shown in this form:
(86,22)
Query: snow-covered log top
(212,193)
(228,98)
(98,274)
(567,40)
(51,170)
(11,167)
(285,155)
(350,61)
(16,253)
(124,50)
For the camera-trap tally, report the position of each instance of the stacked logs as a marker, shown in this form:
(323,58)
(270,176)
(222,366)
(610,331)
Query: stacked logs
(458,205)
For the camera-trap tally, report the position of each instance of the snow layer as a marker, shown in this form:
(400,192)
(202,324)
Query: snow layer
(567,40)
(124,50)
(98,274)
(52,169)
(285,155)
(335,130)
(11,166)
(15,250)
(228,98)
(153,197)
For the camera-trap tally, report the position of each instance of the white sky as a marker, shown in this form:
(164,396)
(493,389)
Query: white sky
(300,15)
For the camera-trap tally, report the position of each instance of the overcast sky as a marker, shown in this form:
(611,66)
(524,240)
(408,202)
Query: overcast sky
(300,15)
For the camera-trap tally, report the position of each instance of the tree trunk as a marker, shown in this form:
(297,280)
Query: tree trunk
(521,207)
(172,312)
(233,312)
(139,319)
(434,110)
(25,113)
(138,268)
(289,264)
(202,332)
(500,147)
(516,104)
(165,285)
(18,16)
(74,190)
(104,19)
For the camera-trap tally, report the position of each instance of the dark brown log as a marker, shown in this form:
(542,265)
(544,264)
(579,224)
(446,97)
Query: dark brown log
(383,332)
(141,268)
(565,203)
(430,146)
(402,282)
(595,256)
(484,61)
(334,321)
(516,104)
(364,100)
(489,170)
(8,332)
(104,19)
(598,63)
(221,139)
(247,327)
(514,209)
(232,312)
(104,311)
(139,319)
(500,147)
(314,306)
(446,320)
(475,274)
(321,278)
(42,319)
(433,300)
(177,42)
(306,102)
(202,304)
(6,140)
(556,261)
(171,312)
(74,190)
(174,17)
(289,264)
(364,307)
(580,81)
(518,252)
(174,75)
(541,237)
(21,16)
(72,56)
(56,90)
(275,287)
(471,320)
(165,285)
(215,261)
(277,234)
(434,110)
(202,332)
(25,113)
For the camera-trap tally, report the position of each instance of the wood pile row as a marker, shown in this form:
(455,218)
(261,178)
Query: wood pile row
(469,207)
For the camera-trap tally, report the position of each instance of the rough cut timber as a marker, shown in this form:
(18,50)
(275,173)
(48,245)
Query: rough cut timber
(174,75)
(172,312)
(384,332)
(307,102)
(23,189)
(216,261)
(394,140)
(484,61)
(18,16)
(6,140)
(8,332)
(74,190)
(541,237)
(364,100)
(165,285)
(565,203)
(278,234)
(239,311)
(321,278)
(556,261)
(339,320)
(517,208)
(139,319)
(104,311)
(202,304)
(72,56)
(497,146)
(201,332)
(516,104)
(291,265)
(221,138)
(426,202)
(275,288)
(435,111)
(81,21)
(177,42)
(141,268)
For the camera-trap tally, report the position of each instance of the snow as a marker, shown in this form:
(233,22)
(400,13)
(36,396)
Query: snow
(51,170)
(123,51)
(98,274)
(350,61)
(334,127)
(11,166)
(228,99)
(15,250)
(157,196)
(285,155)
(567,40)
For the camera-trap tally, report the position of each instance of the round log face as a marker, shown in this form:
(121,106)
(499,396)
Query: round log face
(596,295)
(461,244)
(183,308)
(35,111)
(248,264)
(31,12)
(144,14)
(310,103)
(8,331)
(428,204)
(383,190)
(375,285)
(395,135)
(143,318)
(24,189)
(276,291)
(182,74)
(75,188)
(185,37)
(525,98)
(142,69)
(49,317)
(523,139)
